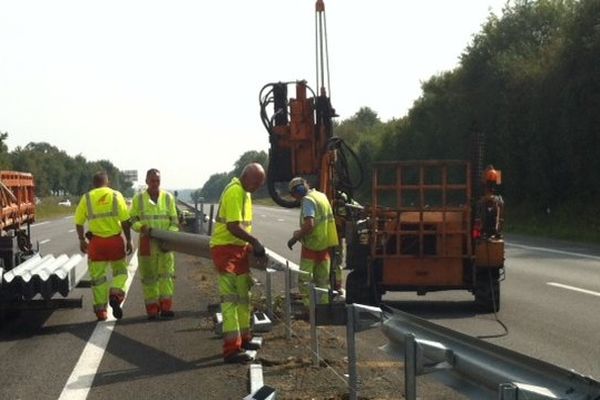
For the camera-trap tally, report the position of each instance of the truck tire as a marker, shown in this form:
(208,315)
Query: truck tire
(487,291)
(359,292)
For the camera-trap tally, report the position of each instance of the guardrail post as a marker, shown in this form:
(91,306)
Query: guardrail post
(410,367)
(288,302)
(351,345)
(314,340)
(508,391)
(269,290)
(210,219)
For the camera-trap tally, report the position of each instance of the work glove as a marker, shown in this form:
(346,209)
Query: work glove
(258,249)
(83,245)
(145,230)
(291,242)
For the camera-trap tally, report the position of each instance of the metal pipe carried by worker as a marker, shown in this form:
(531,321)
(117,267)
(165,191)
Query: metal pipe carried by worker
(194,245)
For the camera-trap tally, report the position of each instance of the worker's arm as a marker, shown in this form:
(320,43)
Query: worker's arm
(307,227)
(236,229)
(81,235)
(80,218)
(126,225)
(125,220)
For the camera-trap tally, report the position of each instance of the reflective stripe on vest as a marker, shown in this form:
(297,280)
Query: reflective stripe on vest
(324,233)
(92,215)
(145,217)
(221,219)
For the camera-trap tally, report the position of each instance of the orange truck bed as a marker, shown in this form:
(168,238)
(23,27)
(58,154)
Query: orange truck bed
(17,199)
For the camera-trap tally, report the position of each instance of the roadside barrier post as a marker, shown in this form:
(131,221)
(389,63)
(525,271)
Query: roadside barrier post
(288,302)
(508,391)
(351,348)
(269,289)
(410,367)
(314,340)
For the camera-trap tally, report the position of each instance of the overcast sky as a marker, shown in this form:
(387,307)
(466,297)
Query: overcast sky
(174,85)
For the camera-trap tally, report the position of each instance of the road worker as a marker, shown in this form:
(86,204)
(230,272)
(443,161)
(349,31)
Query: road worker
(106,213)
(318,235)
(491,205)
(155,209)
(231,243)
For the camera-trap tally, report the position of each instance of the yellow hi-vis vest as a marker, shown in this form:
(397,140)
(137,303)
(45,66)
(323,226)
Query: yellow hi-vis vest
(104,209)
(324,234)
(235,205)
(159,215)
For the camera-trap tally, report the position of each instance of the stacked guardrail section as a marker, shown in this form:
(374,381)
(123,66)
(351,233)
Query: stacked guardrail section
(44,276)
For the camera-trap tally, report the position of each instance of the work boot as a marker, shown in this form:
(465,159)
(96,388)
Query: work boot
(240,357)
(165,308)
(152,310)
(101,315)
(115,302)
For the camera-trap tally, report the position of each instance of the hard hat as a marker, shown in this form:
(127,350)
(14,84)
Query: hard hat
(298,185)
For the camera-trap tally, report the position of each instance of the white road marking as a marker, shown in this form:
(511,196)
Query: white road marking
(576,289)
(45,241)
(567,253)
(80,382)
(69,217)
(71,230)
(263,215)
(280,220)
(40,223)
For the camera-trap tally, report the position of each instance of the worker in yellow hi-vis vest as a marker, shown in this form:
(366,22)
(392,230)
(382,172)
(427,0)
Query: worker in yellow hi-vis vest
(105,211)
(318,235)
(230,246)
(155,209)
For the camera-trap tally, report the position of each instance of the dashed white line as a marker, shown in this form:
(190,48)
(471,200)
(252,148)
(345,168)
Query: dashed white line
(567,253)
(71,230)
(280,220)
(80,382)
(45,241)
(263,215)
(40,223)
(69,217)
(573,288)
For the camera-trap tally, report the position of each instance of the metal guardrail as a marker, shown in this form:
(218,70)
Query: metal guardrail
(478,369)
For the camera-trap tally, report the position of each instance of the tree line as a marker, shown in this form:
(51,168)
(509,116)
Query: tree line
(55,172)
(530,84)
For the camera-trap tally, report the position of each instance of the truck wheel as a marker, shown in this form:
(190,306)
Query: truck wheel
(357,290)
(487,291)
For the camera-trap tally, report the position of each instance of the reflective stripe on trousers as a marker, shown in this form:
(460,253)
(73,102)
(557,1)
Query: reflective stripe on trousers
(235,306)
(319,275)
(100,284)
(157,272)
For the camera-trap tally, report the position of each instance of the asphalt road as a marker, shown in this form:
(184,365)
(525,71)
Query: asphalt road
(66,354)
(550,303)
(550,298)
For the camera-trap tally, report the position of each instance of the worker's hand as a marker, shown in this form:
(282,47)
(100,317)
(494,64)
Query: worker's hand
(129,247)
(258,249)
(145,230)
(83,245)
(291,242)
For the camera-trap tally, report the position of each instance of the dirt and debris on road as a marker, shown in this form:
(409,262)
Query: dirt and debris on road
(288,367)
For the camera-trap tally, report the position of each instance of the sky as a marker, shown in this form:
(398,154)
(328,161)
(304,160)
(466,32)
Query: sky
(174,85)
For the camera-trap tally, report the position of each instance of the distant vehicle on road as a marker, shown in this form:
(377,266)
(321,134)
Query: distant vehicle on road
(65,203)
